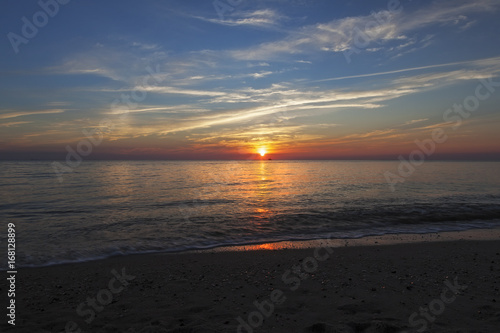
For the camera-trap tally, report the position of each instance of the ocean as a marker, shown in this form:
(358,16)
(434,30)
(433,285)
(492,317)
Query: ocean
(108,208)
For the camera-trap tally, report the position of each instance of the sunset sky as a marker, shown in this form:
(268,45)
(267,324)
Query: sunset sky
(301,79)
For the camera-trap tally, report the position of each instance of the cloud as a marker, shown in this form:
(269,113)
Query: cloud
(296,101)
(175,109)
(123,62)
(411,122)
(468,25)
(340,35)
(482,62)
(178,91)
(261,74)
(58,103)
(284,101)
(335,36)
(257,18)
(260,64)
(29,113)
(447,12)
(15,123)
(478,72)
(146,46)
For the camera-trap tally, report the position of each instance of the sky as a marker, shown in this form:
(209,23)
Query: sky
(226,79)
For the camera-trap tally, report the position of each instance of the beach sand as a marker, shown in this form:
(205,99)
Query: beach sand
(368,285)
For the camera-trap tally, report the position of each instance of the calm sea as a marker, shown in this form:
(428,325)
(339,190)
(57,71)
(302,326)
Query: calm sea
(106,208)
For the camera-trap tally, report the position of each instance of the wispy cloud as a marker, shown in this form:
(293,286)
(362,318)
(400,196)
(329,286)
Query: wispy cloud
(411,122)
(146,46)
(257,18)
(495,61)
(284,98)
(178,91)
(120,60)
(15,123)
(340,35)
(176,109)
(28,113)
(447,12)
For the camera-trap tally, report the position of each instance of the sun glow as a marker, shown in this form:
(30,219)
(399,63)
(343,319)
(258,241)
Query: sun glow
(262,151)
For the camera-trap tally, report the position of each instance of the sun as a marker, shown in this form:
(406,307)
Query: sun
(262,151)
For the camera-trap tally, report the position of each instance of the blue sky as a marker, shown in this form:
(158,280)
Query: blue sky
(219,79)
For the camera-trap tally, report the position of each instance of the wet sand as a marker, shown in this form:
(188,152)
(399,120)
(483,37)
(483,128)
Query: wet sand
(375,284)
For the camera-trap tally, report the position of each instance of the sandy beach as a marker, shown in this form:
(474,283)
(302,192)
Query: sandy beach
(424,283)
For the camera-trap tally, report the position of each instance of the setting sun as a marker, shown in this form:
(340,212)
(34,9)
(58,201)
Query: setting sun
(262,152)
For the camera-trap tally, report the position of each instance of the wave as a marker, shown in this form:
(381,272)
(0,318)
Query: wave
(79,257)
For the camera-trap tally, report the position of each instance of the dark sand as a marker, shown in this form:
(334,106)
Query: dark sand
(356,289)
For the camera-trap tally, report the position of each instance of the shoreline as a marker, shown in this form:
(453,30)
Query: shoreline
(373,240)
(376,287)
